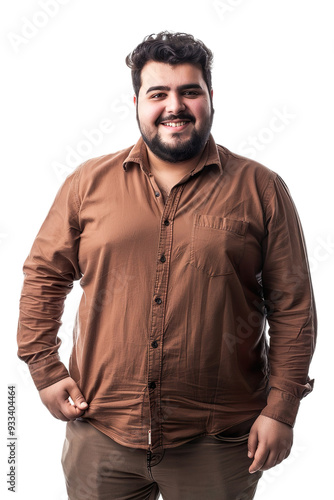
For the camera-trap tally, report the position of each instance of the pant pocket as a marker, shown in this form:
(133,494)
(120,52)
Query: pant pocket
(226,439)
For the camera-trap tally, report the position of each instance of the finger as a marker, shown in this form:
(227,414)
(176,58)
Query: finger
(62,409)
(70,411)
(252,443)
(59,415)
(270,461)
(260,458)
(77,397)
(63,417)
(55,412)
(281,457)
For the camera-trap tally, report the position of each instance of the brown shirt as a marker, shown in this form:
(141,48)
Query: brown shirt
(170,338)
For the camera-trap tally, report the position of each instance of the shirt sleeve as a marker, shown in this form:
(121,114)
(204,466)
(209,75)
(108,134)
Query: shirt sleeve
(49,272)
(290,305)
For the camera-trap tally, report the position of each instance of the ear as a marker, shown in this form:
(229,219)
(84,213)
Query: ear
(211,93)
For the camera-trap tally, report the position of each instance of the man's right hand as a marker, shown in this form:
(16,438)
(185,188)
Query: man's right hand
(55,398)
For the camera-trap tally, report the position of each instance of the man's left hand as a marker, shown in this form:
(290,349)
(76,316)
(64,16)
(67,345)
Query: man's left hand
(269,443)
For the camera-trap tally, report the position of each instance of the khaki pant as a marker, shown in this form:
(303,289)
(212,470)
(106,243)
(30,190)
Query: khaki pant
(206,468)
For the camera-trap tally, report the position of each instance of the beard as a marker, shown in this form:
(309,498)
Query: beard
(181,150)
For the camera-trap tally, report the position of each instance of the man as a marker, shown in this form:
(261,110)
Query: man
(184,250)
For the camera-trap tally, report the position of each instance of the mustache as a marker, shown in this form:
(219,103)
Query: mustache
(181,116)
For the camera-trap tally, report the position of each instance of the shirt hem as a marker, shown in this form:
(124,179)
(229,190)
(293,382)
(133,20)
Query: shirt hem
(122,442)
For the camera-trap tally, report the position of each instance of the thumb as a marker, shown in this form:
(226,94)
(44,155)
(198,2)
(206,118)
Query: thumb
(76,396)
(252,442)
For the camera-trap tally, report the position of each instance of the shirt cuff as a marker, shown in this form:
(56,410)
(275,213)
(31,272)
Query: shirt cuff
(281,406)
(48,371)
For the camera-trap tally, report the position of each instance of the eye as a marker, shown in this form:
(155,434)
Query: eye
(191,93)
(158,96)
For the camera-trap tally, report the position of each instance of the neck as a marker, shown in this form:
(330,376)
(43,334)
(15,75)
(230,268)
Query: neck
(164,167)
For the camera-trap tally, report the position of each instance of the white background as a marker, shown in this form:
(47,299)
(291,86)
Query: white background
(64,72)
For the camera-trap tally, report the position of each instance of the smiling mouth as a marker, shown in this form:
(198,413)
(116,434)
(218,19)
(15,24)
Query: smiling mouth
(175,124)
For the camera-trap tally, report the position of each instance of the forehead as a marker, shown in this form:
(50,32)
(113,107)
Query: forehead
(159,73)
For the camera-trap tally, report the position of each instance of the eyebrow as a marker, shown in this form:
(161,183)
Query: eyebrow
(180,87)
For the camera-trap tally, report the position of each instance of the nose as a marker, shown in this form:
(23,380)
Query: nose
(175,103)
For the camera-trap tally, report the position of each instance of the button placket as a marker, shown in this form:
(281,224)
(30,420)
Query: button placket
(158,317)
(156,191)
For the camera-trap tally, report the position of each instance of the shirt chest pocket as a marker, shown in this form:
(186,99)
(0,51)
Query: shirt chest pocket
(217,244)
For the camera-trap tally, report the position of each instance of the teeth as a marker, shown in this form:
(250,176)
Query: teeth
(173,124)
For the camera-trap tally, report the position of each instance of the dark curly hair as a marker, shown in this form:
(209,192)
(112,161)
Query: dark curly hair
(170,48)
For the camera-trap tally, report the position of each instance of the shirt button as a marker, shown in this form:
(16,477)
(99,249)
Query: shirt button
(157,193)
(166,222)
(158,300)
(162,258)
(152,385)
(154,343)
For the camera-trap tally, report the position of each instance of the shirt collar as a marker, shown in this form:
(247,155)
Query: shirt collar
(138,155)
